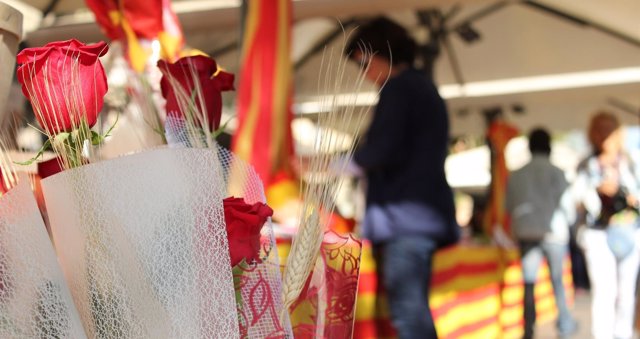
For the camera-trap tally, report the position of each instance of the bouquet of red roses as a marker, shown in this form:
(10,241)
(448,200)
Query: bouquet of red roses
(155,244)
(141,239)
(191,87)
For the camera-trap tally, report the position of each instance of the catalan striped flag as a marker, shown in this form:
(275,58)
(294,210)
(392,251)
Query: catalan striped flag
(264,137)
(130,21)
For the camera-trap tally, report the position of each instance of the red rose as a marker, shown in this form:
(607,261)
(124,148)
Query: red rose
(199,74)
(65,83)
(244,223)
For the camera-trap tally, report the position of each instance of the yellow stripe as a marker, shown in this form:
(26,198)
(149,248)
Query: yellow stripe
(466,283)
(511,316)
(512,295)
(470,314)
(513,274)
(513,333)
(471,255)
(487,332)
(367,264)
(366,307)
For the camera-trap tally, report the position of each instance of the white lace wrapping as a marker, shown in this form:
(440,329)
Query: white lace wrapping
(34,299)
(142,242)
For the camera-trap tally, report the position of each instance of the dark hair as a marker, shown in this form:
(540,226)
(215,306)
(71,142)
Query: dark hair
(539,141)
(385,39)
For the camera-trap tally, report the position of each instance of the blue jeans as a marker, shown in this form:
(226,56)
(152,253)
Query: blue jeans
(532,254)
(404,268)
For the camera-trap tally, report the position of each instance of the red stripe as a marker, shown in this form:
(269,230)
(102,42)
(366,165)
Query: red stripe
(373,329)
(365,329)
(367,283)
(462,269)
(260,65)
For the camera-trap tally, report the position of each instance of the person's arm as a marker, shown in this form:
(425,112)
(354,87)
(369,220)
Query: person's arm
(384,139)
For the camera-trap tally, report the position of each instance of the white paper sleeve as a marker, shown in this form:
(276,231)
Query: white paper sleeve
(142,243)
(34,299)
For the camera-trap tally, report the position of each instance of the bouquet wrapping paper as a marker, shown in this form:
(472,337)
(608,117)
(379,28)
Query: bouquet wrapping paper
(142,243)
(326,306)
(34,299)
(260,309)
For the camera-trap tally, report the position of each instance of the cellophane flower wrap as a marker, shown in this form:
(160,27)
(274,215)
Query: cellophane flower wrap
(257,276)
(34,299)
(142,242)
(326,305)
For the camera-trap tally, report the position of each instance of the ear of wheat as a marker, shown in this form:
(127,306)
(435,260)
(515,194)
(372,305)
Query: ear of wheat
(318,193)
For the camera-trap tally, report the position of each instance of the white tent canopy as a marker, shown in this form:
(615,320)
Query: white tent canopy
(597,44)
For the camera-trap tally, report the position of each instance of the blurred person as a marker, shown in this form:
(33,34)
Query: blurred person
(607,190)
(409,205)
(541,211)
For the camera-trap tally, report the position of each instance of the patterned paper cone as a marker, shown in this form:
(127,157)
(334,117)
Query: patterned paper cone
(34,299)
(143,245)
(326,306)
(261,283)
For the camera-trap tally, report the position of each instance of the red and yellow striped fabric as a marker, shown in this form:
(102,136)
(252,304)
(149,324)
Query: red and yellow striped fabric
(264,137)
(471,295)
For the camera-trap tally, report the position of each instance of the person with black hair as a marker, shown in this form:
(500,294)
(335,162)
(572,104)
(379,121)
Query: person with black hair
(541,210)
(410,211)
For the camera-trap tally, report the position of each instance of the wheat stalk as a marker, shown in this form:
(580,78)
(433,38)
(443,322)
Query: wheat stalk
(318,194)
